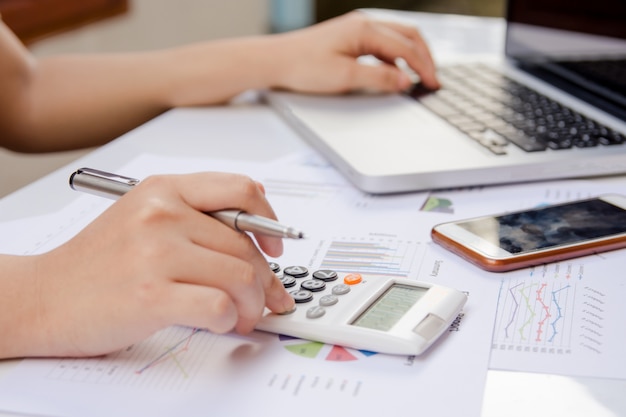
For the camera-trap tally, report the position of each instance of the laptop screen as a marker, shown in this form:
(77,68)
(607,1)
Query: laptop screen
(578,45)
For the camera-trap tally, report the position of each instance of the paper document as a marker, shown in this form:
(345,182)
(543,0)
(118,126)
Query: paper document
(560,318)
(184,371)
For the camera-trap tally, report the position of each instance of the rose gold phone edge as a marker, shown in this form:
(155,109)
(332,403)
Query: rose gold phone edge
(531,259)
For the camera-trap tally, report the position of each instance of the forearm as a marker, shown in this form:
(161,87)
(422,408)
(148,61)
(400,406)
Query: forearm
(80,101)
(72,102)
(21,326)
(215,72)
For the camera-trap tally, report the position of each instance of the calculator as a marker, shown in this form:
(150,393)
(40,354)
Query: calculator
(366,312)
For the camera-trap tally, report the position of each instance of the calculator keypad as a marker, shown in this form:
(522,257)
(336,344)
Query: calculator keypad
(318,282)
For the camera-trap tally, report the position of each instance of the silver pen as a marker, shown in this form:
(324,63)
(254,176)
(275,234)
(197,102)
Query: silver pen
(106,184)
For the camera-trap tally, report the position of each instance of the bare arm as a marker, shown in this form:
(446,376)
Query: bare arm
(76,101)
(68,102)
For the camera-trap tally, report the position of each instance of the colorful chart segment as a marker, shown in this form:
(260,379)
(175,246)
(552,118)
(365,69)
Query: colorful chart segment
(311,350)
(537,314)
(438,205)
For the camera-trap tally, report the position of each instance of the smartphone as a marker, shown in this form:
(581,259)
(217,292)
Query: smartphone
(537,236)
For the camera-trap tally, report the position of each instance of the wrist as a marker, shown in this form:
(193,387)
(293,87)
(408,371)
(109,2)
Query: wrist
(281,61)
(21,315)
(214,72)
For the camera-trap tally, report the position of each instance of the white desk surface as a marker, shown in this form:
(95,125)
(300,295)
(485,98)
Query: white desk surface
(266,136)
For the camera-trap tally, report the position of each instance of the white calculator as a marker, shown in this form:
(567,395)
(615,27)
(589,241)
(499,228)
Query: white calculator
(373,313)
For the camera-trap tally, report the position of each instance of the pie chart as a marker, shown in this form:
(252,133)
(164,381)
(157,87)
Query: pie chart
(318,350)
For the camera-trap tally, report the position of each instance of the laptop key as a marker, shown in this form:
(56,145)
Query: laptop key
(439,106)
(525,142)
(490,139)
(483,103)
(611,138)
(586,140)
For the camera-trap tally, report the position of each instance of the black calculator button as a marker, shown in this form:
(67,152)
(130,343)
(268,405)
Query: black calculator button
(301,296)
(288,281)
(313,285)
(327,275)
(296,271)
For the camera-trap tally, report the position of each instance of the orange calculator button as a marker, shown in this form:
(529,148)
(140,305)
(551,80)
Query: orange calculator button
(352,279)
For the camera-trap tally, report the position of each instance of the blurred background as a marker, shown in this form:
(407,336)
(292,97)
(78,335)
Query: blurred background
(77,26)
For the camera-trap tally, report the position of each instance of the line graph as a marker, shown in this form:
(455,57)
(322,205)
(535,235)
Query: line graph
(170,359)
(536,315)
(172,353)
(535,312)
(552,310)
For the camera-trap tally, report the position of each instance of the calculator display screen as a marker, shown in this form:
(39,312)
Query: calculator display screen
(390,307)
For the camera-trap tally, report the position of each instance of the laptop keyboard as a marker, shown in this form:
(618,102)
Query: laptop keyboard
(497,111)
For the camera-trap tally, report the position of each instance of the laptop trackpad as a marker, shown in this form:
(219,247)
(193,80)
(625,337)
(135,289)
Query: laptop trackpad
(385,134)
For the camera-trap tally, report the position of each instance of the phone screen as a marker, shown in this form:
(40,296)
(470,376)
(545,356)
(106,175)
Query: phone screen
(550,226)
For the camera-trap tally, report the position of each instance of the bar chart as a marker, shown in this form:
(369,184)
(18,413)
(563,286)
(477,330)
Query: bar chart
(373,256)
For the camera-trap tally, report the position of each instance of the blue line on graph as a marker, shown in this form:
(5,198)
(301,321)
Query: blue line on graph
(558,309)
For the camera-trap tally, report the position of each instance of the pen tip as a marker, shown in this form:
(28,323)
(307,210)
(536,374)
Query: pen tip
(294,233)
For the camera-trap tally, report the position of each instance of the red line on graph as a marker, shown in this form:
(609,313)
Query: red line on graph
(545,308)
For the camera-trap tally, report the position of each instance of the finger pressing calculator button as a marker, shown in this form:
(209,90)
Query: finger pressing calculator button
(325,275)
(315,312)
(328,300)
(341,289)
(296,271)
(313,285)
(301,296)
(286,313)
(288,281)
(352,279)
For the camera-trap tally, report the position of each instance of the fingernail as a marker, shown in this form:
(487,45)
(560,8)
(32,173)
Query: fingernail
(288,303)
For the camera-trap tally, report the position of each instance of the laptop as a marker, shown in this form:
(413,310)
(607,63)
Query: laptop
(553,107)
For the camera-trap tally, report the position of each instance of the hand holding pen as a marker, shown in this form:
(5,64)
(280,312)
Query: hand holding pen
(155,259)
(109,185)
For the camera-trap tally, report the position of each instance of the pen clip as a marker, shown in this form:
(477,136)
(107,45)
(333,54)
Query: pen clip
(107,176)
(104,184)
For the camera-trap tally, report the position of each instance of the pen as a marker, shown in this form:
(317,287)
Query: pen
(106,184)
